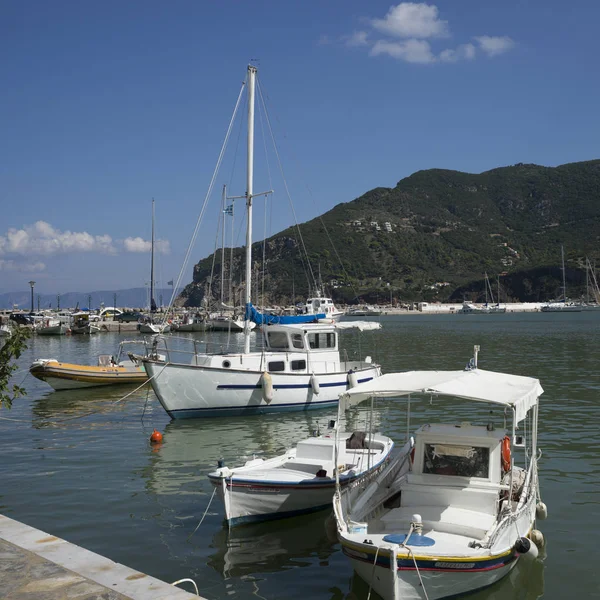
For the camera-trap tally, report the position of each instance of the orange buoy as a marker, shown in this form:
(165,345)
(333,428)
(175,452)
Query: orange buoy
(156,437)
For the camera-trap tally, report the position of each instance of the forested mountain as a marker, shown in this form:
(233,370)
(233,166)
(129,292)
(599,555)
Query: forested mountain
(434,235)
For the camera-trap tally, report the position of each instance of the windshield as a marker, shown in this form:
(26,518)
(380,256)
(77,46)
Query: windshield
(463,461)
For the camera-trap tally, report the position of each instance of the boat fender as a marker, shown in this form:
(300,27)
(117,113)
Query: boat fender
(506,458)
(537,537)
(352,379)
(314,382)
(541,511)
(267,386)
(526,548)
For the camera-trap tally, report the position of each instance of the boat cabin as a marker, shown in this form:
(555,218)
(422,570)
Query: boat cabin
(316,306)
(300,338)
(455,481)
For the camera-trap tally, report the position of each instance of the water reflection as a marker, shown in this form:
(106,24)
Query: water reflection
(56,407)
(273,547)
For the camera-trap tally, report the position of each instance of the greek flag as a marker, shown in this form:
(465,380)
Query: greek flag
(229,210)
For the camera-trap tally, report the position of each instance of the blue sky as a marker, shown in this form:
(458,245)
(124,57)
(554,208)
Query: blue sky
(107,105)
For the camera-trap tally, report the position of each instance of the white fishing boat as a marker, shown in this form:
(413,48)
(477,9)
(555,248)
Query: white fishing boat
(363,311)
(110,370)
(302,479)
(453,512)
(298,368)
(319,304)
(190,323)
(4,331)
(83,325)
(51,326)
(223,322)
(154,328)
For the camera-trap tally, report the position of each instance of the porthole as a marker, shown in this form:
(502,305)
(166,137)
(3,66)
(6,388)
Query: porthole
(226,364)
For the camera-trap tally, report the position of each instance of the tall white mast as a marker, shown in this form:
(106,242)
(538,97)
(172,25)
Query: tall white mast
(249,182)
(564,278)
(223,246)
(152,263)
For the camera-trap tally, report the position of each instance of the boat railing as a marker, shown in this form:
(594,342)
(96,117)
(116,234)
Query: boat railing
(179,349)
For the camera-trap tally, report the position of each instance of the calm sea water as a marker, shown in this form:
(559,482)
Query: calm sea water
(79,464)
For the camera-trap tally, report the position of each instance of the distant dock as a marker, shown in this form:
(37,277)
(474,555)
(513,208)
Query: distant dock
(36,564)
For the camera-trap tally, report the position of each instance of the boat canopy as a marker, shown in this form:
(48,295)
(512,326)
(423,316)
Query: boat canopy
(263,319)
(518,392)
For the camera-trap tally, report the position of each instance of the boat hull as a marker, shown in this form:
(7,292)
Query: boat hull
(54,330)
(154,328)
(66,376)
(189,391)
(458,578)
(277,490)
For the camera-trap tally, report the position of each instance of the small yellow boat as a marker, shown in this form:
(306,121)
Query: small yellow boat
(69,376)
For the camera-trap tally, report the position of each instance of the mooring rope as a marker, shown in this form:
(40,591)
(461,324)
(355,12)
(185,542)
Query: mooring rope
(204,515)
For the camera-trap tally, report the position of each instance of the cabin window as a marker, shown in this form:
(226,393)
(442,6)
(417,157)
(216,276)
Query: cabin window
(452,459)
(297,341)
(298,365)
(277,365)
(321,340)
(278,340)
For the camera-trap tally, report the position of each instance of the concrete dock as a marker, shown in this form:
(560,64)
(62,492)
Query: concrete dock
(35,564)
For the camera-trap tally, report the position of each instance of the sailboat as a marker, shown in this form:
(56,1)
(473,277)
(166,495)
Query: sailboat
(298,368)
(562,305)
(152,327)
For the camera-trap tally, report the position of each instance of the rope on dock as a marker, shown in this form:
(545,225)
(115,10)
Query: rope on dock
(187,579)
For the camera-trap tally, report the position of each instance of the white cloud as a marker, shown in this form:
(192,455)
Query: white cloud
(495,45)
(463,52)
(412,51)
(138,244)
(358,38)
(41,239)
(11,265)
(407,31)
(412,20)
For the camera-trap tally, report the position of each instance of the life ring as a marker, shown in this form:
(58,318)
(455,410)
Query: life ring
(506,458)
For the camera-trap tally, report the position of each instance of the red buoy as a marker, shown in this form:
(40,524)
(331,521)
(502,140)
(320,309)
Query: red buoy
(156,437)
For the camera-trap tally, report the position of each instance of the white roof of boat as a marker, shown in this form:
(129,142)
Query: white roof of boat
(515,391)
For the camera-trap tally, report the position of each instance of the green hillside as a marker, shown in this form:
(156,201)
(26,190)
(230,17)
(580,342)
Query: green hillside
(436,233)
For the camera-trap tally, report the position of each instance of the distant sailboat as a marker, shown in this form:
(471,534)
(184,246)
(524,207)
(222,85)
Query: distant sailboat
(562,305)
(152,327)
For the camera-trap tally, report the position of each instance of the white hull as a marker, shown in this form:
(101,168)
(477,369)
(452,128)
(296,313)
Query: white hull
(85,330)
(154,328)
(561,308)
(189,391)
(53,330)
(288,485)
(236,326)
(438,584)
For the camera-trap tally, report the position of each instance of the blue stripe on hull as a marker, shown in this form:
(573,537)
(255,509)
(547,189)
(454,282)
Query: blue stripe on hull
(263,409)
(289,386)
